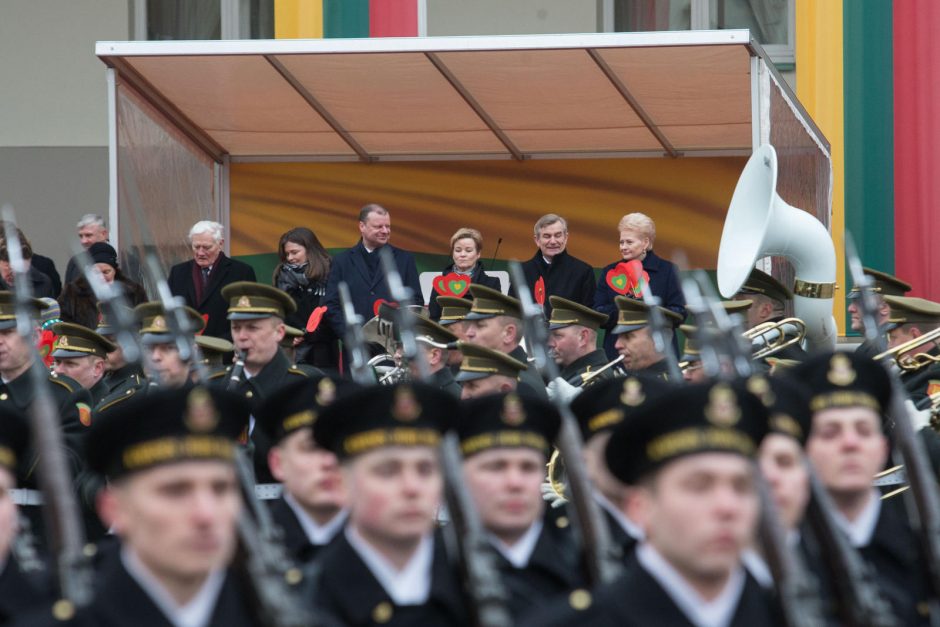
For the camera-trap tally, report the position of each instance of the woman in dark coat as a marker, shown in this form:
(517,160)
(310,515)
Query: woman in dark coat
(77,300)
(302,273)
(466,246)
(637,233)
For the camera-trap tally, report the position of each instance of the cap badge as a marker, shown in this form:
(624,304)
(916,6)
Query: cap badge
(326,392)
(760,387)
(722,409)
(159,323)
(243,301)
(201,415)
(513,414)
(63,341)
(632,395)
(840,372)
(405,407)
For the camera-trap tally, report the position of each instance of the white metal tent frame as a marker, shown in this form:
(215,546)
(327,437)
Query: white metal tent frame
(194,84)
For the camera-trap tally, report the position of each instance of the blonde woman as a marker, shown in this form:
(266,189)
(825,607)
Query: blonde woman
(637,234)
(466,246)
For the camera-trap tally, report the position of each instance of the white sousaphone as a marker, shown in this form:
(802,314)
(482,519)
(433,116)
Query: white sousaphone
(759,223)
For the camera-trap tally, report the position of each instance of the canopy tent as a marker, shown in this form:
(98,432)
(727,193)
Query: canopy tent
(182,113)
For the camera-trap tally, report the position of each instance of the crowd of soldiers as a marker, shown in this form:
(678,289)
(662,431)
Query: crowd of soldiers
(511,472)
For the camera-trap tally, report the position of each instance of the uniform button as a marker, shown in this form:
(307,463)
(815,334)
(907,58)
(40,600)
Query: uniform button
(248,394)
(580,599)
(382,612)
(128,391)
(562,522)
(4,396)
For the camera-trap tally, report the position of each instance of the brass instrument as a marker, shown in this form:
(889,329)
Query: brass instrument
(587,377)
(556,474)
(917,360)
(776,336)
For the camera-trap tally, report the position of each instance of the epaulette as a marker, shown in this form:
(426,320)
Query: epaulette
(220,373)
(54,378)
(128,393)
(296,370)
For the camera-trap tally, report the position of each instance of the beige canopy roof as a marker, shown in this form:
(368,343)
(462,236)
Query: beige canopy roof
(595,95)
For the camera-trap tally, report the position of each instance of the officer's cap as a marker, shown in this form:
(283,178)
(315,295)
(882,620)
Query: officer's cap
(479,362)
(634,314)
(453,309)
(77,341)
(566,313)
(489,303)
(249,301)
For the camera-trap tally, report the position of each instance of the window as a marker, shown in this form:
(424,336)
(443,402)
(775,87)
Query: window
(183,20)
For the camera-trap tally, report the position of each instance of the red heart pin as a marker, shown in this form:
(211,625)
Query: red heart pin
(539,291)
(452,284)
(636,277)
(205,322)
(379,302)
(316,316)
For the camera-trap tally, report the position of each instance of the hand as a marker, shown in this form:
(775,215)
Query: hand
(561,390)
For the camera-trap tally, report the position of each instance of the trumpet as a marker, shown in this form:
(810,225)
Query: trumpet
(917,360)
(773,337)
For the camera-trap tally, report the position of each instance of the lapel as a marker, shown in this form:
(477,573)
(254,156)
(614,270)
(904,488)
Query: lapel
(295,539)
(215,277)
(356,254)
(552,556)
(355,589)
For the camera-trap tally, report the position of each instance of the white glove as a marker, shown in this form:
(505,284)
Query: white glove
(920,418)
(551,497)
(561,390)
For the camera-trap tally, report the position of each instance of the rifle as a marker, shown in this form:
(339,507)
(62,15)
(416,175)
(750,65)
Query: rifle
(922,500)
(266,563)
(601,557)
(353,340)
(719,338)
(63,520)
(487,596)
(658,331)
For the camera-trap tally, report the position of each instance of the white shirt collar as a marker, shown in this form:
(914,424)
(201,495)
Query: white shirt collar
(862,528)
(628,525)
(316,533)
(715,613)
(547,260)
(196,613)
(519,553)
(409,586)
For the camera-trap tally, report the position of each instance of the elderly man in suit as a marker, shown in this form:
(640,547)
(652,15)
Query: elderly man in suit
(361,268)
(200,280)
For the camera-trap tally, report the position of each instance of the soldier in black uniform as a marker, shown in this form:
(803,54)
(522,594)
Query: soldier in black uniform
(80,353)
(430,337)
(690,455)
(848,446)
(912,318)
(505,440)
(312,508)
(572,340)
(121,375)
(173,500)
(388,567)
(20,590)
(599,410)
(769,300)
(884,285)
(484,371)
(257,314)
(635,339)
(495,322)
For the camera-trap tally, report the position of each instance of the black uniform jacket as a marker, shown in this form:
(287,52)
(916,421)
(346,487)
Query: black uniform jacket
(119,601)
(916,382)
(565,276)
(444,379)
(637,599)
(530,381)
(276,373)
(595,360)
(295,539)
(224,271)
(20,592)
(478,276)
(552,571)
(347,591)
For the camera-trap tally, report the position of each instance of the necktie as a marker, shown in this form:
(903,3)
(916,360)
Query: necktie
(205,276)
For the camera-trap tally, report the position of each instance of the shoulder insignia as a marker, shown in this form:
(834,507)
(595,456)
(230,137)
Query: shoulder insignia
(295,370)
(84,414)
(128,393)
(218,375)
(55,379)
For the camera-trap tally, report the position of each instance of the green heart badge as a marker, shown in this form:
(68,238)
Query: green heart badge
(617,278)
(452,284)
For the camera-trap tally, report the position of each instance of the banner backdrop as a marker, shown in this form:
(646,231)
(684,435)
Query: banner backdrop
(429,201)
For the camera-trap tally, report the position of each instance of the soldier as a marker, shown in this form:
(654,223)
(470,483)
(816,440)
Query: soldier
(120,375)
(257,315)
(495,322)
(689,455)
(453,313)
(80,353)
(312,508)
(20,591)
(388,566)
(691,361)
(169,369)
(287,344)
(572,341)
(505,440)
(769,301)
(484,371)
(214,351)
(910,319)
(433,340)
(884,285)
(848,446)
(172,498)
(599,410)
(635,338)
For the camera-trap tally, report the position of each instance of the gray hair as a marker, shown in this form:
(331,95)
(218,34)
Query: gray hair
(549,219)
(207,227)
(92,219)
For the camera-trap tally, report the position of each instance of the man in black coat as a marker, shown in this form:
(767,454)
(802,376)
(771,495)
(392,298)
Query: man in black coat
(200,281)
(361,269)
(552,271)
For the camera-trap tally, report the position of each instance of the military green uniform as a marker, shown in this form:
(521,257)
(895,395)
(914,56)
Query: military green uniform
(125,377)
(566,313)
(883,284)
(77,342)
(633,314)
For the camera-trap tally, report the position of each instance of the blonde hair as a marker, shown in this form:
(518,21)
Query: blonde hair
(641,223)
(467,233)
